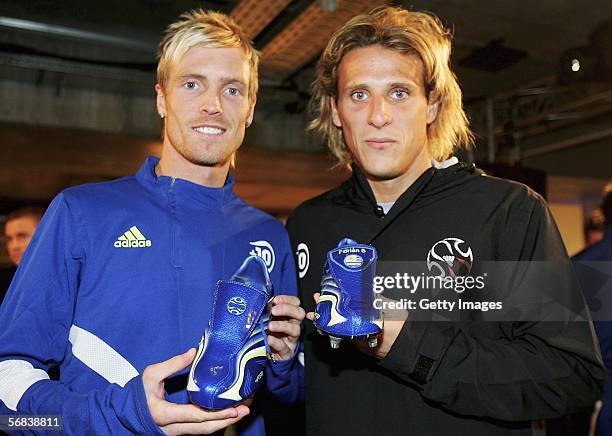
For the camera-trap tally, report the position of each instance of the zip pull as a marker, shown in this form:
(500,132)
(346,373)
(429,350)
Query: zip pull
(172,184)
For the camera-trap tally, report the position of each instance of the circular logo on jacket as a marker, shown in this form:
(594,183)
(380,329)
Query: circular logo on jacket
(450,257)
(353,261)
(264,250)
(303,259)
(236,306)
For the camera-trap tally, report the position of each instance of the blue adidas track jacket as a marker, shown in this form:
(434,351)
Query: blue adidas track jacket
(118,276)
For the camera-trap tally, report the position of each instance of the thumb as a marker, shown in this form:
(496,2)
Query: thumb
(165,369)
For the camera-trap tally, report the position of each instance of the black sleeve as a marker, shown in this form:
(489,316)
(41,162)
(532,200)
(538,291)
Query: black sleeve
(527,370)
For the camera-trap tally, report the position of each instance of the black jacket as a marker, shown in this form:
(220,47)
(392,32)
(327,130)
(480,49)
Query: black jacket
(455,378)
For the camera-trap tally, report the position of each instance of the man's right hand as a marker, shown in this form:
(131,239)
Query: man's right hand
(174,418)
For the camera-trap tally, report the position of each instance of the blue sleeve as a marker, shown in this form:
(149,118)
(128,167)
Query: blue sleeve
(285,379)
(36,317)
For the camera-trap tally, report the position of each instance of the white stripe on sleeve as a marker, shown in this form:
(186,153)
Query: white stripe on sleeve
(16,376)
(100,357)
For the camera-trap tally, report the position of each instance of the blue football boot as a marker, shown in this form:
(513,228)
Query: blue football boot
(346,305)
(233,352)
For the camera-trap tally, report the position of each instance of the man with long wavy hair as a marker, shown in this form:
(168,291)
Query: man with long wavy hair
(390,109)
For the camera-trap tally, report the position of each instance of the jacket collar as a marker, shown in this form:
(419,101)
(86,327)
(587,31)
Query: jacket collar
(429,184)
(184,188)
(361,191)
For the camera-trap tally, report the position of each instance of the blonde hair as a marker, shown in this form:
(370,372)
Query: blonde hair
(210,29)
(413,33)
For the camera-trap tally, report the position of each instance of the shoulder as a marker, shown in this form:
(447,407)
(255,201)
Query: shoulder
(601,250)
(312,208)
(514,200)
(101,191)
(248,215)
(509,189)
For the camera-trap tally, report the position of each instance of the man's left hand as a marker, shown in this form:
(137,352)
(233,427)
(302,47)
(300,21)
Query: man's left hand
(284,327)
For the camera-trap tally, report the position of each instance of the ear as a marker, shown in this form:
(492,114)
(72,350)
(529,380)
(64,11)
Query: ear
(335,115)
(251,112)
(161,101)
(433,104)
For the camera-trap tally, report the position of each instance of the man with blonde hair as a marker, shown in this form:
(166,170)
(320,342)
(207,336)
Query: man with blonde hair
(120,277)
(390,108)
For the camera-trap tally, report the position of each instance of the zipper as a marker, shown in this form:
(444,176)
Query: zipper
(174,250)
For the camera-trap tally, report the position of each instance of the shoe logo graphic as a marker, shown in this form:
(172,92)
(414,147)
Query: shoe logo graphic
(133,238)
(303,259)
(330,292)
(451,257)
(353,261)
(264,250)
(236,306)
(259,376)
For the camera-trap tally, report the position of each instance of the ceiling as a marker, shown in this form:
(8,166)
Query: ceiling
(128,31)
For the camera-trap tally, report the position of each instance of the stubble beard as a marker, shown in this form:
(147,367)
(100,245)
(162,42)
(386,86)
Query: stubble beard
(197,155)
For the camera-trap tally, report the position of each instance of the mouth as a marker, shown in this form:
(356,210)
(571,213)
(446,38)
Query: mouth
(380,143)
(210,130)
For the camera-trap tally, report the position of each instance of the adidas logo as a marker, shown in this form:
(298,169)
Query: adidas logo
(132,239)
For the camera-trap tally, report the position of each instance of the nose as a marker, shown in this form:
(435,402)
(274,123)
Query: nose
(380,113)
(211,103)
(16,245)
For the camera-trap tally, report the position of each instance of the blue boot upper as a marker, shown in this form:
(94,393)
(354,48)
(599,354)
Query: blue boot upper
(232,354)
(346,308)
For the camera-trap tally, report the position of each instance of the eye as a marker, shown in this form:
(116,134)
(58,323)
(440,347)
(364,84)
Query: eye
(190,84)
(359,95)
(399,94)
(233,91)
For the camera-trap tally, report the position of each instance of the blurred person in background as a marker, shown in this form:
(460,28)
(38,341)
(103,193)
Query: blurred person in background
(594,271)
(594,228)
(19,227)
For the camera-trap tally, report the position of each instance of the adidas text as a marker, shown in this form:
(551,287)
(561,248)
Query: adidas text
(132,244)
(133,238)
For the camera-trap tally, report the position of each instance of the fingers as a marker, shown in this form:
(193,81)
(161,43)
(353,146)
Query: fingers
(171,413)
(286,299)
(282,348)
(286,327)
(315,297)
(206,427)
(295,313)
(163,370)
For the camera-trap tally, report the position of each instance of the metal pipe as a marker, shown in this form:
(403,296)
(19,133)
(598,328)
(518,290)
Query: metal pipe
(569,143)
(68,32)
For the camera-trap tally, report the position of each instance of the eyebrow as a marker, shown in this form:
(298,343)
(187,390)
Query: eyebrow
(407,84)
(224,80)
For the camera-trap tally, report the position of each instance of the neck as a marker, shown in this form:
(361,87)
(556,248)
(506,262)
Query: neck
(172,164)
(388,191)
